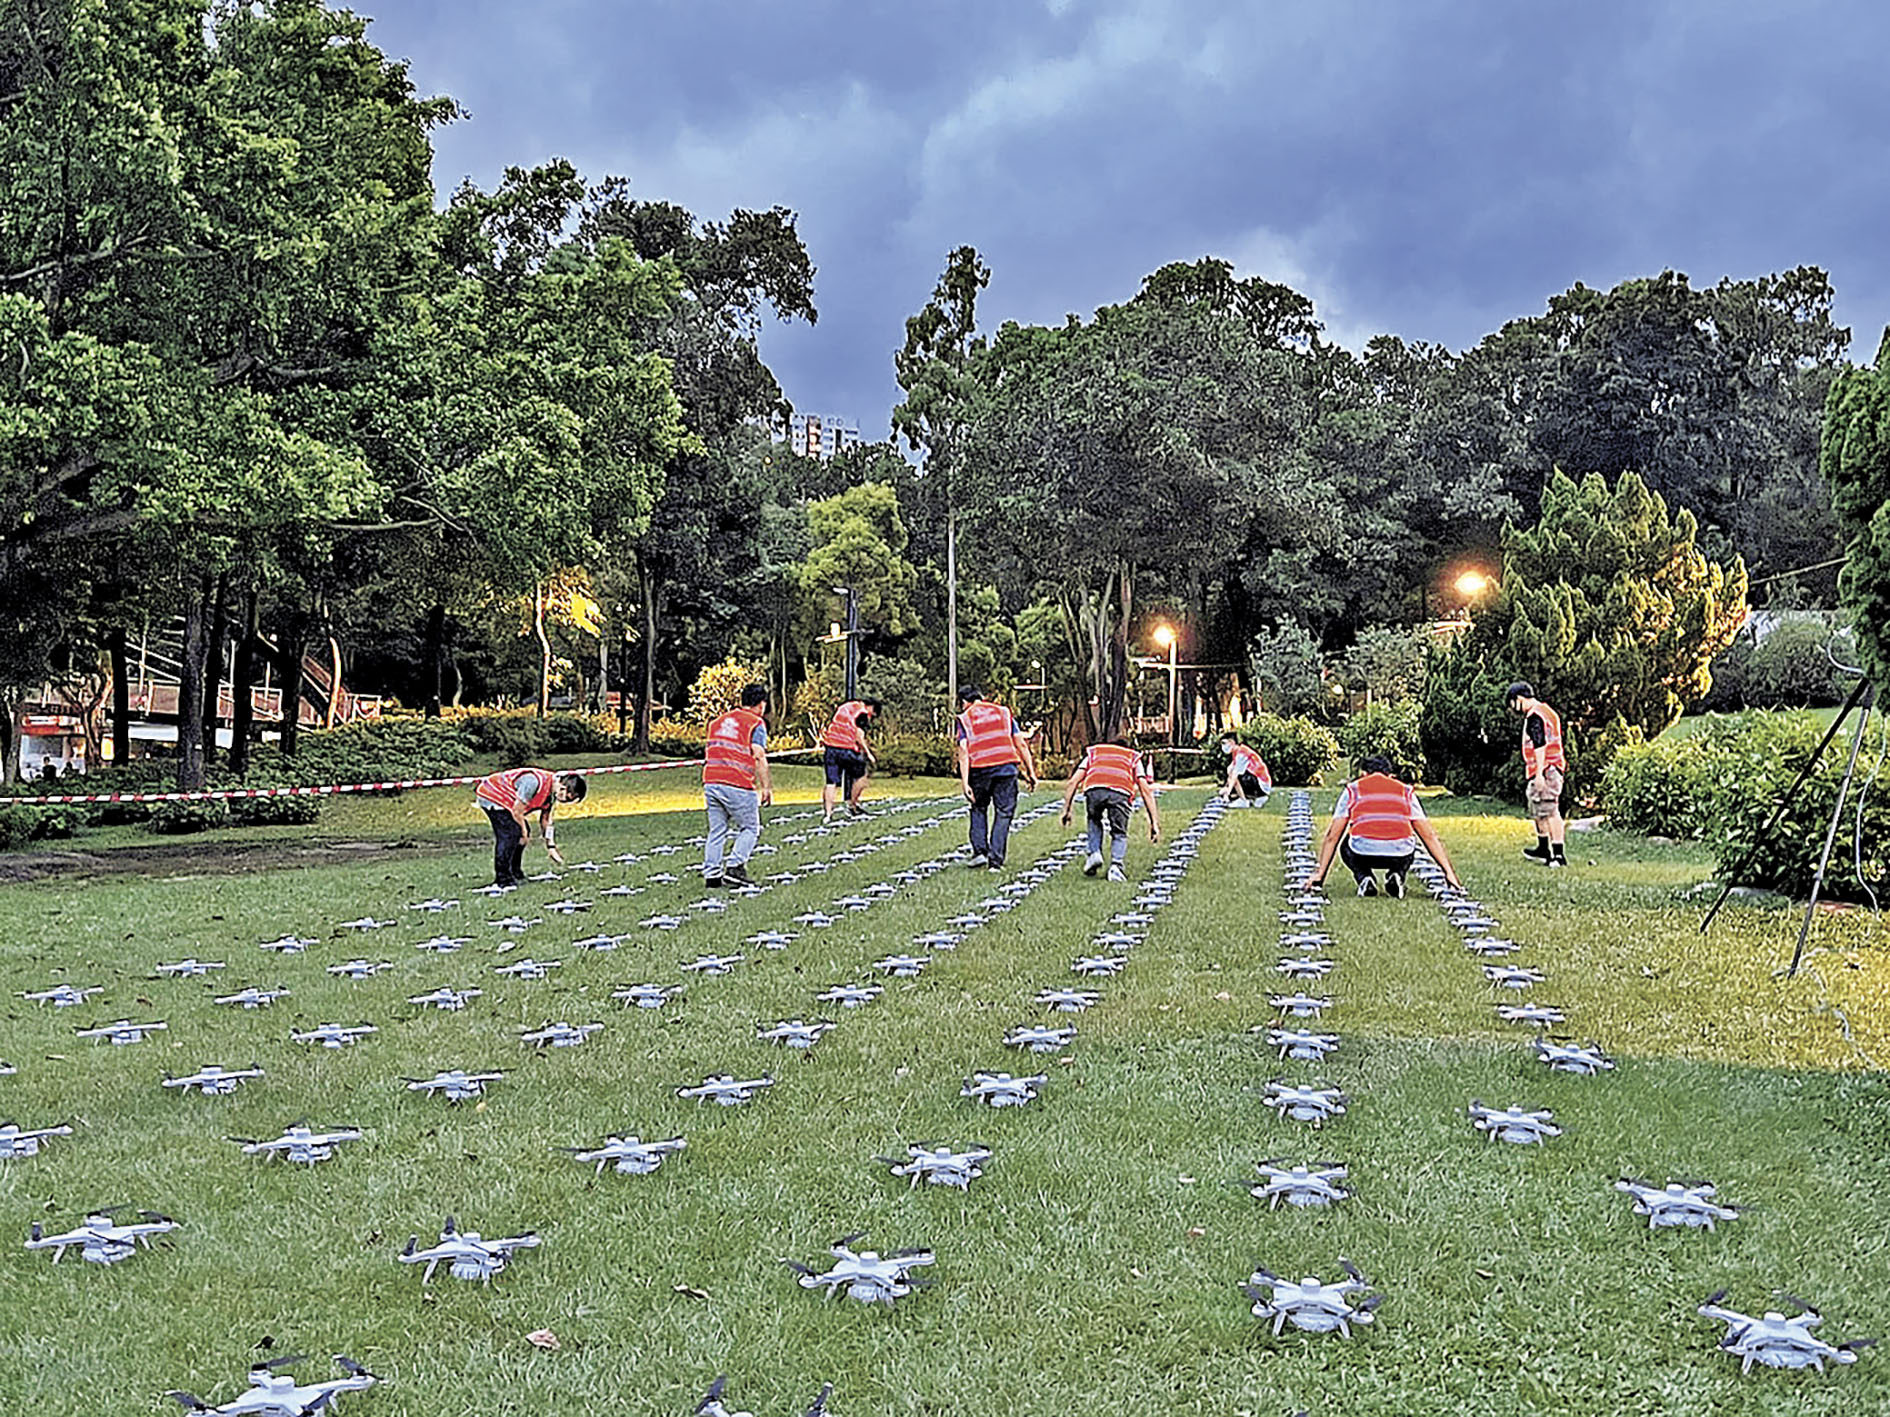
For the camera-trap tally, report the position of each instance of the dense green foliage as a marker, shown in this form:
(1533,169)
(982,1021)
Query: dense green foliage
(1297,751)
(1390,731)
(1855,457)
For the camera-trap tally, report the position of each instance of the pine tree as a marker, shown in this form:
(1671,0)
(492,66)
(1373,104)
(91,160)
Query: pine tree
(1855,459)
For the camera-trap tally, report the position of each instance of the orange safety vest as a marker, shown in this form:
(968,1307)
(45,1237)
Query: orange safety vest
(730,757)
(845,731)
(1246,760)
(1551,749)
(988,729)
(1113,766)
(500,789)
(1381,808)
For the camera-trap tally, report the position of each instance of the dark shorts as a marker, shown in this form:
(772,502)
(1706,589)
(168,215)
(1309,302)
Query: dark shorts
(1252,788)
(1107,806)
(844,767)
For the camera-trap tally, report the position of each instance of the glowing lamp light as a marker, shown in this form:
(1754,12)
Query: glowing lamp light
(1471,584)
(1164,635)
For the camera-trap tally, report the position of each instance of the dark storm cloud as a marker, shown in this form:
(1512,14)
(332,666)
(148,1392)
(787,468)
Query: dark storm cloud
(1426,167)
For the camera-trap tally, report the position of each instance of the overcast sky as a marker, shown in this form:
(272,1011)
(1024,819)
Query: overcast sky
(1429,168)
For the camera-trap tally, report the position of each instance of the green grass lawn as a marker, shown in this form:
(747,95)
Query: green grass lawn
(1095,1268)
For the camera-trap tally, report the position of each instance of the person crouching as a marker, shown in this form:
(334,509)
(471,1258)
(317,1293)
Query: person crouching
(1376,827)
(1110,777)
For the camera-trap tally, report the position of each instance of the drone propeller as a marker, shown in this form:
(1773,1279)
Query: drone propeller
(1794,1299)
(819,1407)
(907,1254)
(797,1267)
(246,1141)
(352,1368)
(1265,1276)
(1853,1344)
(1712,1300)
(1352,1270)
(847,1242)
(1258,1295)
(273,1363)
(156,1217)
(189,1401)
(413,1243)
(1368,1303)
(714,1395)
(450,1228)
(1637,1181)
(34,1232)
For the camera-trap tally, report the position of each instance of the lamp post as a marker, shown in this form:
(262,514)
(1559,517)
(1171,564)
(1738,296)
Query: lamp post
(1166,637)
(852,633)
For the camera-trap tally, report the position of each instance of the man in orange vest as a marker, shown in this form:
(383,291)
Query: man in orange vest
(1249,781)
(508,798)
(735,787)
(1376,827)
(1110,776)
(991,753)
(1544,762)
(847,756)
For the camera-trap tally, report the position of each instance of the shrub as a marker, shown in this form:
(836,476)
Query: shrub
(182,818)
(1288,673)
(1297,751)
(1469,738)
(1789,668)
(1388,731)
(915,755)
(1658,788)
(372,750)
(911,702)
(275,811)
(718,688)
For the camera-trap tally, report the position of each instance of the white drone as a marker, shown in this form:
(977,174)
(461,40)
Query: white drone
(455,1084)
(711,965)
(1312,1305)
(902,966)
(1001,1089)
(646,996)
(187,968)
(1677,1203)
(213,1081)
(1068,1001)
(1584,1059)
(940,1165)
(121,1033)
(1098,966)
(816,919)
(1040,1038)
(568,906)
(1302,919)
(528,968)
(725,1089)
(515,924)
(600,942)
(359,969)
(298,1143)
(289,944)
(1536,1015)
(494,892)
(793,1032)
(1121,941)
(849,996)
(15,1143)
(853,902)
(712,1405)
(1312,1186)
(1317,1105)
(1300,1005)
(1514,1124)
(709,905)
(1511,976)
(366,922)
(866,1275)
(252,998)
(433,905)
(1305,940)
(1774,1341)
(333,1035)
(1302,1044)
(630,1156)
(466,1253)
(101,1239)
(939,940)
(970,920)
(1294,967)
(63,996)
(558,1035)
(1490,946)
(772,939)
(443,944)
(624,890)
(275,1394)
(447,1000)
(661,922)
(662,878)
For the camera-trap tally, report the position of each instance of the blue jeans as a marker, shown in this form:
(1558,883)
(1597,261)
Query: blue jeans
(1105,804)
(993,790)
(732,810)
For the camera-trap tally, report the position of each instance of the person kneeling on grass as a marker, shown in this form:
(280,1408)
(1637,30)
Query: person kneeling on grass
(1376,827)
(1249,781)
(508,798)
(1110,776)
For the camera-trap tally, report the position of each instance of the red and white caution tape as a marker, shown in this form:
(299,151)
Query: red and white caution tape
(336,789)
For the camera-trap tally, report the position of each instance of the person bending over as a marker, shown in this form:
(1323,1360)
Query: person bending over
(1110,777)
(847,756)
(991,755)
(509,798)
(1377,826)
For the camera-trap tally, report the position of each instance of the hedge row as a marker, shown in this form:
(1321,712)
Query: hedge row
(1720,785)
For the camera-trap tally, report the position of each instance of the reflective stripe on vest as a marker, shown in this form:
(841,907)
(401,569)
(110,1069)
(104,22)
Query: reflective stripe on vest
(501,789)
(1113,766)
(730,757)
(1246,760)
(1381,808)
(988,729)
(844,731)
(1551,749)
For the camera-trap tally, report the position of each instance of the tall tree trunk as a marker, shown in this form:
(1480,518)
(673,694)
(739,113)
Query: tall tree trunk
(649,585)
(951,608)
(243,695)
(600,690)
(623,686)
(292,640)
(190,764)
(10,715)
(121,695)
(217,614)
(434,651)
(334,683)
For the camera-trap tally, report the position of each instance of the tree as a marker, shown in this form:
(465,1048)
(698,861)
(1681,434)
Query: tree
(1856,461)
(859,541)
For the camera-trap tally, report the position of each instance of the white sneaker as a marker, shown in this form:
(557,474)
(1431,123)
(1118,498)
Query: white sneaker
(978,859)
(1115,874)
(1092,863)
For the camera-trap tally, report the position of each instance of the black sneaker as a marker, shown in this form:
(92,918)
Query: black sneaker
(1556,863)
(1394,885)
(1541,858)
(715,882)
(1367,886)
(855,809)
(736,875)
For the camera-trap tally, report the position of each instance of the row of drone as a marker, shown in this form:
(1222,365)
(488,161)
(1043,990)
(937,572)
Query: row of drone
(1772,1339)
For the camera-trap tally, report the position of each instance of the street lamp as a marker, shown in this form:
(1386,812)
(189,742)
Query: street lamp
(1471,584)
(853,638)
(1165,636)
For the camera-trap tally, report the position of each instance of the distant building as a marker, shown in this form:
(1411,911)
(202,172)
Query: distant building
(820,436)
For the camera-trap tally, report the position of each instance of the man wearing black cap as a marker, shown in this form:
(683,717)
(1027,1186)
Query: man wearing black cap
(1544,762)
